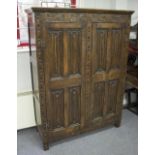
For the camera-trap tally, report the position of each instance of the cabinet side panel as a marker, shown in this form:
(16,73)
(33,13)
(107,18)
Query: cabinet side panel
(34,68)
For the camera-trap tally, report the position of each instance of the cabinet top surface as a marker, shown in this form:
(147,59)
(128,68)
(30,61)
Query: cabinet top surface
(77,10)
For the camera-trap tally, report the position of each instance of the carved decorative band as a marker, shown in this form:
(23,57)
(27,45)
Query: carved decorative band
(40,69)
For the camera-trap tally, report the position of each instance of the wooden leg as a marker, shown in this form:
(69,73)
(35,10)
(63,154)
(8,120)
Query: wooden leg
(45,140)
(117,124)
(45,146)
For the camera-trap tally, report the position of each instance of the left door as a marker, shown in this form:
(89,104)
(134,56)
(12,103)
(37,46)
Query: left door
(63,76)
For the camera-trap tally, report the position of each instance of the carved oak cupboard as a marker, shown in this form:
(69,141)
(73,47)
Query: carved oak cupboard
(78,64)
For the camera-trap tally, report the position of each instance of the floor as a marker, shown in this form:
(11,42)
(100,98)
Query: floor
(108,141)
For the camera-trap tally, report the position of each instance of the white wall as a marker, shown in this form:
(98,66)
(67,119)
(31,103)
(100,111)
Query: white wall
(133,5)
(121,4)
(25,111)
(106,4)
(23,72)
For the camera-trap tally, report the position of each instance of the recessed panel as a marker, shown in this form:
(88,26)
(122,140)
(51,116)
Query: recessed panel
(56,110)
(107,46)
(56,53)
(115,48)
(74,51)
(101,49)
(74,105)
(112,96)
(99,99)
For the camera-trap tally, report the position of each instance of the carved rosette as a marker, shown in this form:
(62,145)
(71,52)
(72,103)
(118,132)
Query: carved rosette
(40,69)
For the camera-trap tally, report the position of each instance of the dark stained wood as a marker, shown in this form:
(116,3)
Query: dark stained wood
(78,60)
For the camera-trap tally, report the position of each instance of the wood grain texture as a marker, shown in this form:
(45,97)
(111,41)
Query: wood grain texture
(74,105)
(81,57)
(56,105)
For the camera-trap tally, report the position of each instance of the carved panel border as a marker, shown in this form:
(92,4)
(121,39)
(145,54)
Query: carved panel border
(88,72)
(94,17)
(40,66)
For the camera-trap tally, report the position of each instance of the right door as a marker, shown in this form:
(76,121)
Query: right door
(108,71)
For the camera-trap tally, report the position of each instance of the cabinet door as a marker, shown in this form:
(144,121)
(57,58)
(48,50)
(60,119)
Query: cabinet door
(63,73)
(108,71)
